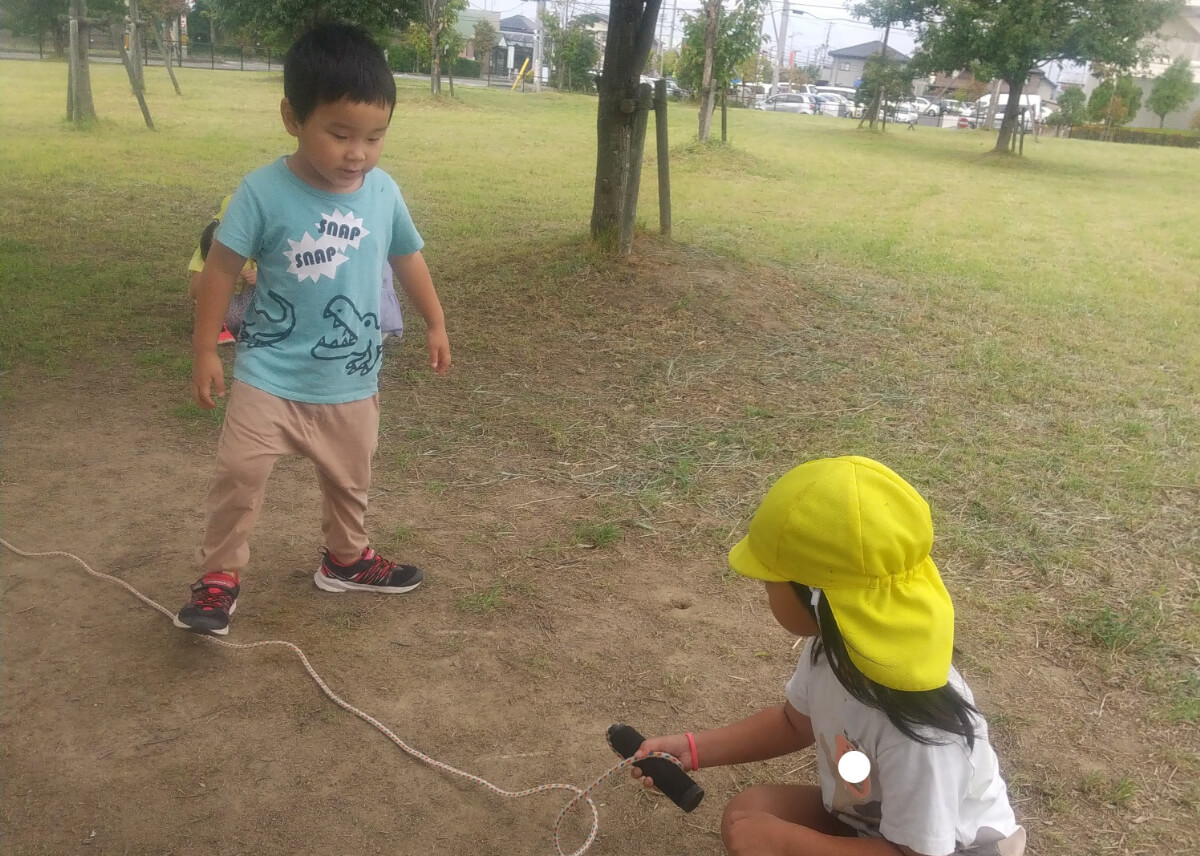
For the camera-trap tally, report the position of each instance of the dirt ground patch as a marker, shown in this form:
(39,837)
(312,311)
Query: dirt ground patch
(571,495)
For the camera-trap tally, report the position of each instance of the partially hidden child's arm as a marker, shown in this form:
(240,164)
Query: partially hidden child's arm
(214,289)
(776,731)
(413,275)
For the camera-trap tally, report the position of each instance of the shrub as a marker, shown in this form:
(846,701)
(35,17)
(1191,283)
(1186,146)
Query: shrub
(403,58)
(1196,121)
(1144,136)
(464,67)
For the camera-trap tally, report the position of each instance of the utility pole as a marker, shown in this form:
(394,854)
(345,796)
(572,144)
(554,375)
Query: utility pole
(538,33)
(779,43)
(671,38)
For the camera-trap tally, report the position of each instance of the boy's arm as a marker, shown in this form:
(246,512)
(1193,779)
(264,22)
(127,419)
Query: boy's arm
(413,275)
(214,288)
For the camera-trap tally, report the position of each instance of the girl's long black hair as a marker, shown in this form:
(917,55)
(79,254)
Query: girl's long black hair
(913,713)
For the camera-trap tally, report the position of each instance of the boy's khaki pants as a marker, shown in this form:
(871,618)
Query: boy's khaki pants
(260,428)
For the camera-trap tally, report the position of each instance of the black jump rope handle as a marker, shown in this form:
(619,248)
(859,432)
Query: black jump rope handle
(668,778)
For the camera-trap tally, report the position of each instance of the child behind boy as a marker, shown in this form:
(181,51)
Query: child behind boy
(243,289)
(320,223)
(843,547)
(391,319)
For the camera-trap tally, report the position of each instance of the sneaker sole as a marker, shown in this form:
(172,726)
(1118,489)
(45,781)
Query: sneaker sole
(195,628)
(333,584)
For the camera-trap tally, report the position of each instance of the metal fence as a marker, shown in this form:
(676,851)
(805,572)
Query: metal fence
(102,47)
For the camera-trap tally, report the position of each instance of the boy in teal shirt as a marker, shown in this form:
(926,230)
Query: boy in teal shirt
(320,222)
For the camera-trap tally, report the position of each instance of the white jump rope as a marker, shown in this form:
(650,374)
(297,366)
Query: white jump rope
(581,794)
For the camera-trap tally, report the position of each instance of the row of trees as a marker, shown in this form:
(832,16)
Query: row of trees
(274,23)
(1118,97)
(1007,40)
(1002,41)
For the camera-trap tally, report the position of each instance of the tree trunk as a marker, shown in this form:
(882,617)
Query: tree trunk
(712,9)
(872,114)
(136,59)
(630,36)
(166,57)
(637,148)
(1011,111)
(1162,119)
(115,28)
(450,74)
(81,109)
(990,121)
(435,66)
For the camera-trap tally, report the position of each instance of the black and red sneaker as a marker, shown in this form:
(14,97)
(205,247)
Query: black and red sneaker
(371,572)
(214,598)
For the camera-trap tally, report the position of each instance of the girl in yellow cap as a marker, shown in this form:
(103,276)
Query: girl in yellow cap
(905,765)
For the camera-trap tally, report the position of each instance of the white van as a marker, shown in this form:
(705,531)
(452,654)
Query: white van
(1031,104)
(801,88)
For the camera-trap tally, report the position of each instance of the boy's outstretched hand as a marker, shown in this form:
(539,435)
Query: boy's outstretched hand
(674,744)
(207,370)
(439,349)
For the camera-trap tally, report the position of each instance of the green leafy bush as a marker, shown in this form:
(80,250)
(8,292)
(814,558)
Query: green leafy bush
(1145,136)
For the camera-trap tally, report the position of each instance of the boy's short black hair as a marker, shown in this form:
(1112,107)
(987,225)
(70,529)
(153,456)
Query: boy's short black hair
(333,61)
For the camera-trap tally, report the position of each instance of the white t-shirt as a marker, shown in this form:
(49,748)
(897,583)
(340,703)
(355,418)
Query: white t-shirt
(938,799)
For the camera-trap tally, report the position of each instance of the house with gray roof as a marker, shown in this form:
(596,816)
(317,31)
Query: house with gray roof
(517,37)
(848,63)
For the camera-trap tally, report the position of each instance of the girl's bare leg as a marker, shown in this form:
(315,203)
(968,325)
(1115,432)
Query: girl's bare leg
(799,804)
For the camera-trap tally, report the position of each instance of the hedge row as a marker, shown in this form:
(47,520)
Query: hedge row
(405,60)
(1145,136)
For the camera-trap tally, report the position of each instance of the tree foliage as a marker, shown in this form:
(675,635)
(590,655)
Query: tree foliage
(570,53)
(1072,107)
(798,75)
(1173,90)
(887,78)
(163,10)
(1115,101)
(1008,39)
(486,38)
(279,22)
(670,62)
(32,17)
(739,37)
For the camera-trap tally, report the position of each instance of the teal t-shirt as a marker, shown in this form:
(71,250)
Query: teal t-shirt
(311,332)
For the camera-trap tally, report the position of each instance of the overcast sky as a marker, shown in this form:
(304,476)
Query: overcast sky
(806,33)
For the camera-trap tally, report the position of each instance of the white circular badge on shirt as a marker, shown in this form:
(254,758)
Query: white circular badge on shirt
(854,767)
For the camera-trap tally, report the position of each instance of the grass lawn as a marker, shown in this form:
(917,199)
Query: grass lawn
(1018,338)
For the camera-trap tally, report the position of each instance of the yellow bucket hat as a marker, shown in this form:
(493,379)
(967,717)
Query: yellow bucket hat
(860,533)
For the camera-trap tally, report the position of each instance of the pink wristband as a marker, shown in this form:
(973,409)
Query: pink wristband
(695,756)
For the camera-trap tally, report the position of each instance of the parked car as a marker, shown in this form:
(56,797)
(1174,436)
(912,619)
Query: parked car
(905,113)
(833,104)
(791,102)
(674,90)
